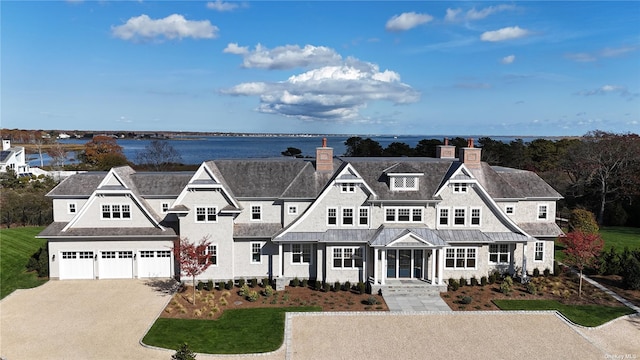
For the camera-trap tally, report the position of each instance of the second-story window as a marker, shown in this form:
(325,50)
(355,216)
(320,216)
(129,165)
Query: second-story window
(403,214)
(348,187)
(116,211)
(543,212)
(256,212)
(206,214)
(347,216)
(444,216)
(459,188)
(475,216)
(459,216)
(332,216)
(363,216)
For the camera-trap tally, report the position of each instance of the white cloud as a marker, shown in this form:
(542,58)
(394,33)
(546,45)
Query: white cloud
(609,89)
(604,53)
(332,92)
(221,6)
(508,33)
(172,27)
(580,57)
(452,15)
(474,14)
(508,59)
(285,57)
(407,21)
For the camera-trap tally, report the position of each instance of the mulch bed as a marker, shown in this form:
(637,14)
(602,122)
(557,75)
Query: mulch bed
(563,288)
(211,304)
(614,283)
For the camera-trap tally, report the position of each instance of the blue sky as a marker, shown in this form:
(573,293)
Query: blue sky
(468,68)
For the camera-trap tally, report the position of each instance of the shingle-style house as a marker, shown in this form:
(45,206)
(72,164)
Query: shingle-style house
(13,158)
(330,219)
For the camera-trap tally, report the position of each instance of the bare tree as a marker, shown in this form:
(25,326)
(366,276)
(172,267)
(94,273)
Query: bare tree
(58,155)
(158,155)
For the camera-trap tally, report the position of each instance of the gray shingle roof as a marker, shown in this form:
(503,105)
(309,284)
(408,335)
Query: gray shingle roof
(526,183)
(168,184)
(82,184)
(55,230)
(263,230)
(541,229)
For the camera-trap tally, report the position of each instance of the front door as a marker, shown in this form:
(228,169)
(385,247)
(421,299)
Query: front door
(404,263)
(391,263)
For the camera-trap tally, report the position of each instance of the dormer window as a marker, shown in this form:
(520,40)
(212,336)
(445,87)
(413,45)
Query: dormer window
(404,183)
(460,188)
(348,187)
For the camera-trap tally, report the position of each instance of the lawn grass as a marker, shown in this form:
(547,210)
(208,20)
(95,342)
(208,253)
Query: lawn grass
(617,237)
(237,331)
(585,315)
(16,247)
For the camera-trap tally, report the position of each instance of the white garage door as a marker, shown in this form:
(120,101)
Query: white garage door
(154,263)
(115,265)
(76,265)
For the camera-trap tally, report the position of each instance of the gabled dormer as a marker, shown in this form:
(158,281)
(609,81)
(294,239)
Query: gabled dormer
(403,177)
(206,178)
(348,179)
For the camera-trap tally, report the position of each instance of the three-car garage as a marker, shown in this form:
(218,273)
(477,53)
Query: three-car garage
(115,264)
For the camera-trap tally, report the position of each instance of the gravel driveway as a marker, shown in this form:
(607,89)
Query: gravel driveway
(106,319)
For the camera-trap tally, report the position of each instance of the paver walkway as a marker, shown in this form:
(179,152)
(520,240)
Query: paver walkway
(413,303)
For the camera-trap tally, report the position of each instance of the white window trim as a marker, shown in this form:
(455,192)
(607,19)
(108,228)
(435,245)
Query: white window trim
(448,217)
(353,261)
(217,254)
(336,216)
(347,187)
(294,208)
(540,206)
(360,217)
(75,208)
(206,215)
(479,216)
(121,211)
(251,244)
(162,207)
(535,251)
(257,206)
(301,262)
(453,217)
(353,216)
(404,187)
(397,214)
(460,187)
(498,255)
(466,257)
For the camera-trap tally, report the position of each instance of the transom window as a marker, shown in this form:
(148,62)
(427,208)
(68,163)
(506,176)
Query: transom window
(539,251)
(499,253)
(206,214)
(301,253)
(212,251)
(116,211)
(460,187)
(256,252)
(363,216)
(460,258)
(332,216)
(256,212)
(348,187)
(543,212)
(347,257)
(404,183)
(393,214)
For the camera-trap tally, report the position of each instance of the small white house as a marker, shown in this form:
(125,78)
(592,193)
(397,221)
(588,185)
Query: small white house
(13,158)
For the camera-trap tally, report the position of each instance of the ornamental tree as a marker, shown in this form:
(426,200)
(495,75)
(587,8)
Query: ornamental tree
(581,251)
(193,259)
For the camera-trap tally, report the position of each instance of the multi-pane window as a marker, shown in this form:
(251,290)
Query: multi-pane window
(292,210)
(363,216)
(108,255)
(404,183)
(475,217)
(165,207)
(146,254)
(72,208)
(499,253)
(459,187)
(347,257)
(212,251)
(256,212)
(301,253)
(116,211)
(509,210)
(332,216)
(539,251)
(347,216)
(542,212)
(459,216)
(403,214)
(125,254)
(460,258)
(68,254)
(256,252)
(444,216)
(164,253)
(85,254)
(348,187)
(206,214)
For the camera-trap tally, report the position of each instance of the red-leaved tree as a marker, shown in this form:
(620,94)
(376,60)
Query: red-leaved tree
(193,259)
(581,251)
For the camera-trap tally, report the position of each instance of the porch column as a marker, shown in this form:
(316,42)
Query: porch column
(319,261)
(375,266)
(364,264)
(384,266)
(433,266)
(440,266)
(524,260)
(280,261)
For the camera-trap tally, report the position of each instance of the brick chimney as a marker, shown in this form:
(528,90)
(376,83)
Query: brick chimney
(470,156)
(324,157)
(446,151)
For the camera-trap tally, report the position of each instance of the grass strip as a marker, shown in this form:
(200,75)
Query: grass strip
(237,331)
(16,247)
(585,315)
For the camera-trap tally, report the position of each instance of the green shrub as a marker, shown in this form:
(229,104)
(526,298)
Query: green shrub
(474,281)
(546,272)
(463,281)
(244,290)
(39,262)
(265,282)
(241,282)
(532,288)
(371,300)
(362,288)
(326,287)
(336,286)
(584,221)
(229,285)
(221,285)
(631,274)
(557,270)
(252,295)
(453,284)
(183,353)
(317,285)
(295,282)
(492,278)
(210,285)
(305,283)
(507,285)
(200,285)
(536,272)
(610,263)
(346,286)
(483,281)
(254,282)
(268,291)
(466,300)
